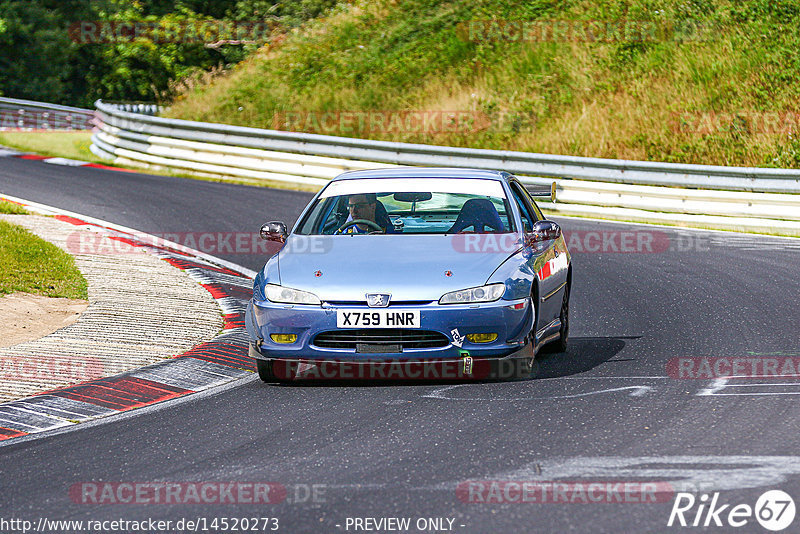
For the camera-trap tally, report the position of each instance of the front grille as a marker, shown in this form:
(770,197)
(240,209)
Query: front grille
(407,339)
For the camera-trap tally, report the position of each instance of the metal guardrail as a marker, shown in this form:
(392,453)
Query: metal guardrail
(137,107)
(737,198)
(18,114)
(524,163)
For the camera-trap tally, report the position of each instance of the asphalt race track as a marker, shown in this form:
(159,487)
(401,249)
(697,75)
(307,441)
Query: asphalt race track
(614,409)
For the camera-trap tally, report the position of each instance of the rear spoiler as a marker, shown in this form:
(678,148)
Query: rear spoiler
(542,191)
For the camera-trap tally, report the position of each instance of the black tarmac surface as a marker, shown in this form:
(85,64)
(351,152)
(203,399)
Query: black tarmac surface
(607,410)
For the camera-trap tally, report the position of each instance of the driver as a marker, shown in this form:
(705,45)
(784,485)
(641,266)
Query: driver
(365,207)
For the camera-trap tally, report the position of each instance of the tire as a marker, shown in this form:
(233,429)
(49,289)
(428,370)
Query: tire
(528,369)
(533,364)
(560,345)
(265,372)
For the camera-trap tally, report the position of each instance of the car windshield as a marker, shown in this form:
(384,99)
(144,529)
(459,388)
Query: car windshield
(409,206)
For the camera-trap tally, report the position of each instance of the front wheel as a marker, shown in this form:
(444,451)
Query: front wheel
(560,345)
(265,372)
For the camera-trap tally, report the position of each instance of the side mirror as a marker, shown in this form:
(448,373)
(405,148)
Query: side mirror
(543,231)
(274,231)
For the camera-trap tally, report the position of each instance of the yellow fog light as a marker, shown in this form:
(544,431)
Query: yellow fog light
(285,339)
(482,338)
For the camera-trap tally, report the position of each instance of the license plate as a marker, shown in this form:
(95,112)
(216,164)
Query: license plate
(377,318)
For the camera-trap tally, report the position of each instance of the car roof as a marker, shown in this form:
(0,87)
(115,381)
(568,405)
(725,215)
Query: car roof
(424,172)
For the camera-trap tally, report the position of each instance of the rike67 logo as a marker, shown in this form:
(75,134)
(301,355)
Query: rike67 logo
(774,510)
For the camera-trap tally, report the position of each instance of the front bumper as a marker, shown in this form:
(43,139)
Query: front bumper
(510,320)
(516,365)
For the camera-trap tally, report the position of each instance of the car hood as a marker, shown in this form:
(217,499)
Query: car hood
(409,267)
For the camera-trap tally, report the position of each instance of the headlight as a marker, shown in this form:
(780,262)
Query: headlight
(476,294)
(289,296)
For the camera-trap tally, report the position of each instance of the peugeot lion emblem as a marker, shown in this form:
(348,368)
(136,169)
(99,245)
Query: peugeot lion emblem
(378,300)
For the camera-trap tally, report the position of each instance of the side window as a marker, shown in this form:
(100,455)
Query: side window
(536,211)
(335,213)
(539,215)
(528,218)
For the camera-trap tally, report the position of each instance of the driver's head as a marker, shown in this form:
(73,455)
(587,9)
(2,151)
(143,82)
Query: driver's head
(362,206)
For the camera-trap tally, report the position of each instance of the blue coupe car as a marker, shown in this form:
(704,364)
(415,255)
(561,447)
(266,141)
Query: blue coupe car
(412,273)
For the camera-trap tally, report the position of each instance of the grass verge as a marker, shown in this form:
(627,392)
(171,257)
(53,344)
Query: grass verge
(30,264)
(71,145)
(12,209)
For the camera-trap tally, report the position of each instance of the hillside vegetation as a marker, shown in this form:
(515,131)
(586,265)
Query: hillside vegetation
(705,81)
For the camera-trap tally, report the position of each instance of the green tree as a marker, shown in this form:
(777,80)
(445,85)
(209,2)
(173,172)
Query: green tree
(39,61)
(35,52)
